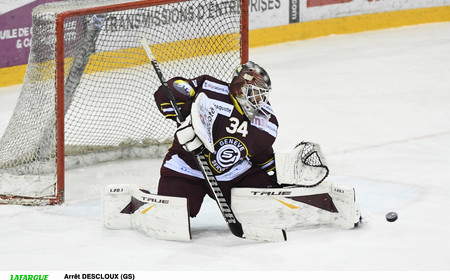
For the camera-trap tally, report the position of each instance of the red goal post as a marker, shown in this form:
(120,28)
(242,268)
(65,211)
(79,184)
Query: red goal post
(98,73)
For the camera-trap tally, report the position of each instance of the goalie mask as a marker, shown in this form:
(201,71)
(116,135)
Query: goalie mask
(251,87)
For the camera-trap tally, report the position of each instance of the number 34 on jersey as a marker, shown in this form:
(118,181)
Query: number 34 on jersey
(237,127)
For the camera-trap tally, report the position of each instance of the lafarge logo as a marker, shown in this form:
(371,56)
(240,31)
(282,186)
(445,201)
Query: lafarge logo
(229,151)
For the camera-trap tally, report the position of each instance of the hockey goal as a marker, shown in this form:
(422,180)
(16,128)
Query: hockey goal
(87,94)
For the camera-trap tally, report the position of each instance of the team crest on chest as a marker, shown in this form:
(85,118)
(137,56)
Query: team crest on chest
(229,151)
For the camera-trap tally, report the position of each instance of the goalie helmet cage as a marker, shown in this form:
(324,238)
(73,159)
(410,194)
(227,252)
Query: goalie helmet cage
(87,93)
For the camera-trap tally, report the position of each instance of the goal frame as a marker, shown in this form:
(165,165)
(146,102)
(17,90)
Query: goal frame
(60,79)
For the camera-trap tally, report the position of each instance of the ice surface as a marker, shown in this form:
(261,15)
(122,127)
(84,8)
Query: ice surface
(377,102)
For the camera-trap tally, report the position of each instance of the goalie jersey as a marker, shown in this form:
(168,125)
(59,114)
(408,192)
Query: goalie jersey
(240,145)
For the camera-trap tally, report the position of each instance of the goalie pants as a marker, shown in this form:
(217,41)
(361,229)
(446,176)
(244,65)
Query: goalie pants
(195,189)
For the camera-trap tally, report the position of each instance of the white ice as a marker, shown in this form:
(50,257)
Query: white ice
(378,103)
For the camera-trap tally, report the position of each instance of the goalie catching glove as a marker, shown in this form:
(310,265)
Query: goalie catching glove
(196,130)
(304,166)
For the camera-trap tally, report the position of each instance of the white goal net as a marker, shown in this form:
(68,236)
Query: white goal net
(87,95)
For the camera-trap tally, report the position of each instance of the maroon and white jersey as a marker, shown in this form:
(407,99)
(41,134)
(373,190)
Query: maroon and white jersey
(239,144)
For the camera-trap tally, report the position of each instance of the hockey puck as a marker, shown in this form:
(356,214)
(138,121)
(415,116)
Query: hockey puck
(391,217)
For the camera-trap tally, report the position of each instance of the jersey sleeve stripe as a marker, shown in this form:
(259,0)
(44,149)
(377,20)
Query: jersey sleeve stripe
(167,109)
(269,162)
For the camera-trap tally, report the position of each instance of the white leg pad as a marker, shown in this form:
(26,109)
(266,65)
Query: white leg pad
(348,210)
(114,199)
(130,207)
(283,208)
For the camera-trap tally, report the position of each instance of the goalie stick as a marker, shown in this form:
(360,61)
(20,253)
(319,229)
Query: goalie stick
(224,206)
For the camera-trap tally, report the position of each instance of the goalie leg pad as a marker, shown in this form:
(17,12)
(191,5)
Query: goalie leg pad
(115,198)
(344,198)
(130,207)
(326,204)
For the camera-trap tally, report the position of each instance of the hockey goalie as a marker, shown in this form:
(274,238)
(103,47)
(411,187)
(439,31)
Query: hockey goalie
(234,127)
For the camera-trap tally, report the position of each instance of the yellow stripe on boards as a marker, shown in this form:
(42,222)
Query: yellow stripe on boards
(345,25)
(12,75)
(131,57)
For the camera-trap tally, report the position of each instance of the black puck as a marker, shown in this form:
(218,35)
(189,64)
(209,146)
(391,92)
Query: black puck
(391,217)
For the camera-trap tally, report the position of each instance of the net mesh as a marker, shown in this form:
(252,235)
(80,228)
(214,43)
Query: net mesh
(109,109)
(310,156)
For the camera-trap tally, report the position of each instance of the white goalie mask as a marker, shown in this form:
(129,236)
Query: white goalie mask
(251,87)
